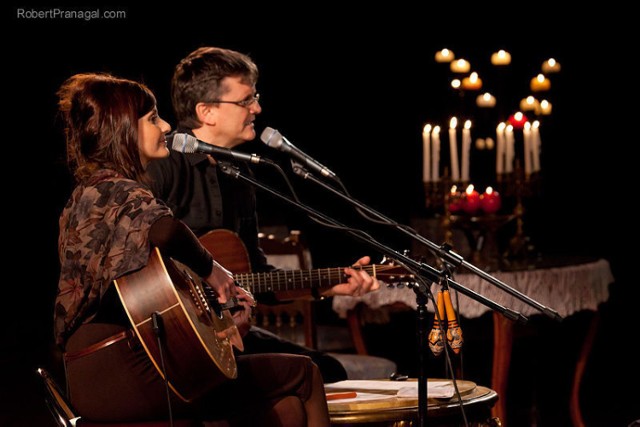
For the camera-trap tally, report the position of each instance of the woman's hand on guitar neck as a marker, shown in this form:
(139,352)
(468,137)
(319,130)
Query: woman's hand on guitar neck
(358,283)
(221,280)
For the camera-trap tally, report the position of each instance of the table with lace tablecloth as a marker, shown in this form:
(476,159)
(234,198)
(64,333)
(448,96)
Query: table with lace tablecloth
(567,289)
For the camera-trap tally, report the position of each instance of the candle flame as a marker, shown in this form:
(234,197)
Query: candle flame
(489,190)
(454,188)
(536,124)
(501,126)
(455,83)
(473,77)
(469,189)
(453,122)
(527,125)
(436,130)
(427,128)
(467,124)
(518,116)
(540,78)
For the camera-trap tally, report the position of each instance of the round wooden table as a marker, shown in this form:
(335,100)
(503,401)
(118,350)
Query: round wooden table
(399,412)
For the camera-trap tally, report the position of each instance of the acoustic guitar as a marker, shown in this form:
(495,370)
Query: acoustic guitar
(198,333)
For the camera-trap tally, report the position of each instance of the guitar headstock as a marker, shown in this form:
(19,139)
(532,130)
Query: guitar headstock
(393,274)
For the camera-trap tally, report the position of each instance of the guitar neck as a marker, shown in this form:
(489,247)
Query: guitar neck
(295,280)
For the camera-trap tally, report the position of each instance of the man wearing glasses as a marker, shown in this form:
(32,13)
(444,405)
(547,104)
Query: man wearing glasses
(213,92)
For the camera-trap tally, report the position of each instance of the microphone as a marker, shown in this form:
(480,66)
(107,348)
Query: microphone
(186,143)
(274,139)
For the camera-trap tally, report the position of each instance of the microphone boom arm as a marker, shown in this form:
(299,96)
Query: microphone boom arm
(420,269)
(444,252)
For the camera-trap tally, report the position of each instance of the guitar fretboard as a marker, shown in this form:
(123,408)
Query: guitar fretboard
(292,280)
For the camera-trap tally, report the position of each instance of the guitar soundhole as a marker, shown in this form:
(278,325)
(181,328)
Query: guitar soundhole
(212,299)
(203,295)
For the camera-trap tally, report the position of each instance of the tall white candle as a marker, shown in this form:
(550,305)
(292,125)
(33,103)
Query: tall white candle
(426,153)
(466,148)
(435,159)
(509,149)
(453,149)
(526,133)
(535,137)
(500,149)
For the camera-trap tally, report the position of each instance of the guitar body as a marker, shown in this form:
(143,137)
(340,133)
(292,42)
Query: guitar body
(227,248)
(198,334)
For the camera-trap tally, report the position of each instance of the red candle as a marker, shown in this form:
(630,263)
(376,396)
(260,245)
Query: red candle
(490,201)
(455,204)
(517,120)
(471,200)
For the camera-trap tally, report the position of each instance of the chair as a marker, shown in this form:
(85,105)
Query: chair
(65,415)
(286,320)
(288,253)
(56,401)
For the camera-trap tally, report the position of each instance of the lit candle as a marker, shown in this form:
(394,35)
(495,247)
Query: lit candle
(501,57)
(435,159)
(526,133)
(545,107)
(455,204)
(540,83)
(490,201)
(473,82)
(550,66)
(426,153)
(470,200)
(500,150)
(509,149)
(486,100)
(453,150)
(456,83)
(460,66)
(535,137)
(444,55)
(517,120)
(466,148)
(529,103)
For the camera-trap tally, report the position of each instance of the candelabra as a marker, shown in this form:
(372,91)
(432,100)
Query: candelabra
(517,150)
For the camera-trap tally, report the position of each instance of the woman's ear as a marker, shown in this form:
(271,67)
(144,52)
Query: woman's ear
(206,113)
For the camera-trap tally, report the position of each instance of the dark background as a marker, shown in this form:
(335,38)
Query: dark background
(353,90)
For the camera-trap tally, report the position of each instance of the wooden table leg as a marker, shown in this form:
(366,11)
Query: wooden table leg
(581,364)
(502,343)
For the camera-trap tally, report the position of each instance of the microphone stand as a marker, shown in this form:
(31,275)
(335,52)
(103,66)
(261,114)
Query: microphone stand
(424,274)
(444,252)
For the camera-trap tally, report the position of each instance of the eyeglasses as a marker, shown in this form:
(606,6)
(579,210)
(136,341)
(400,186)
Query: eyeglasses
(244,103)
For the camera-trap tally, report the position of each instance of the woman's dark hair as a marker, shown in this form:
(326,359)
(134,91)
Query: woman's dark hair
(100,114)
(198,78)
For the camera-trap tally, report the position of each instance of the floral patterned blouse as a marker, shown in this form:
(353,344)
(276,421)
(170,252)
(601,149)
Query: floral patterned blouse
(104,231)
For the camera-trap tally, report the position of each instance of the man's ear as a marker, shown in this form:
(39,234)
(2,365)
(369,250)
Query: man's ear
(206,113)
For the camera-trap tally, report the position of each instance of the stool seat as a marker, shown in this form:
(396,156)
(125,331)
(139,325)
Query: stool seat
(365,367)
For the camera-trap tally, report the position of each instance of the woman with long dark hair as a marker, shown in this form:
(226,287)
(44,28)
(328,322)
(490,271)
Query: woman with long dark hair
(108,229)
